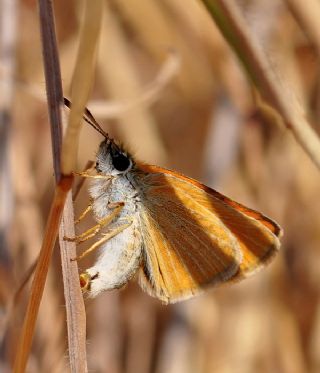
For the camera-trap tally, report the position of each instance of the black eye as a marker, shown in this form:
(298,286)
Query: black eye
(120,162)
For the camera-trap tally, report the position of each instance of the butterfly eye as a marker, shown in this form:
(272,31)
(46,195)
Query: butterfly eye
(120,162)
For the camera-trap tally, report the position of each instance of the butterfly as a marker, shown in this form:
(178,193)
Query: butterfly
(177,236)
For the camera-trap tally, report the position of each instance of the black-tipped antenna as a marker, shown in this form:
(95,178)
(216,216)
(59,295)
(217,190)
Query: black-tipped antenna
(89,118)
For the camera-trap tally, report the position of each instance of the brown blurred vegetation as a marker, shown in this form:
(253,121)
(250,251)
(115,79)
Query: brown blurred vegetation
(203,122)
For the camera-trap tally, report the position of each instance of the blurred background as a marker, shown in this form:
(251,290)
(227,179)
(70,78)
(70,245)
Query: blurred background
(170,88)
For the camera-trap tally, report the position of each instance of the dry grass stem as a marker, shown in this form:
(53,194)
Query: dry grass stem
(76,314)
(82,81)
(234,28)
(53,80)
(40,275)
(81,86)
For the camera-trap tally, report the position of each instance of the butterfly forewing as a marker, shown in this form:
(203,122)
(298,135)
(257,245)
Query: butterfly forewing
(194,236)
(183,253)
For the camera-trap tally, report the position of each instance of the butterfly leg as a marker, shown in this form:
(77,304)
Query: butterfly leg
(106,237)
(89,167)
(83,214)
(91,232)
(86,174)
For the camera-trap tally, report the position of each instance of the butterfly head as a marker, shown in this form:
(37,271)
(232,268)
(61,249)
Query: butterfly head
(112,159)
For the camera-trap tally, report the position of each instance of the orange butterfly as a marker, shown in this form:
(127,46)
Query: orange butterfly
(178,235)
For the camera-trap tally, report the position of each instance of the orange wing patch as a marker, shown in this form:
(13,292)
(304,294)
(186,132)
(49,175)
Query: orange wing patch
(195,237)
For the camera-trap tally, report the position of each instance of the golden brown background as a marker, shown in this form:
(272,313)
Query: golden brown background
(202,120)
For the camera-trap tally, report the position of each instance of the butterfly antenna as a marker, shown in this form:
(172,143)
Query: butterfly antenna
(89,118)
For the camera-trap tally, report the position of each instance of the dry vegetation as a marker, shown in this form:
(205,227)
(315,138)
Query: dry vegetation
(167,85)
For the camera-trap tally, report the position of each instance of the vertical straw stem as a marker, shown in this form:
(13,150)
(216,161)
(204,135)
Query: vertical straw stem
(82,80)
(74,301)
(53,80)
(81,86)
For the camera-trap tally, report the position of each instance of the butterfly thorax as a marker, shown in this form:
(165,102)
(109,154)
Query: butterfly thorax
(106,193)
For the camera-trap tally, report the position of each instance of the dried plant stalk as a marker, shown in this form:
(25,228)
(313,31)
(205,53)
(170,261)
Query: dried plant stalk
(76,316)
(81,86)
(231,23)
(81,82)
(41,273)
